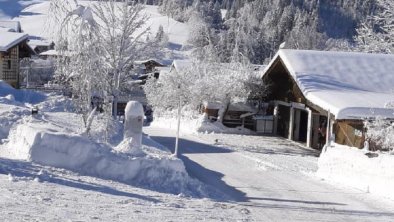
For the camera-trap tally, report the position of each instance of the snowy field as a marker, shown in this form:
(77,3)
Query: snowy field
(33,16)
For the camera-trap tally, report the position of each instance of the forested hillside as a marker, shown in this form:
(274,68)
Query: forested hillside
(256,28)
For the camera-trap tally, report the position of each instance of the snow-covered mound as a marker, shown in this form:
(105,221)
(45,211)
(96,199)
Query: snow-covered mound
(350,166)
(20,95)
(51,145)
(9,115)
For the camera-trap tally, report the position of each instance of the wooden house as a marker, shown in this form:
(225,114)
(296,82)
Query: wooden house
(148,66)
(13,47)
(41,45)
(334,92)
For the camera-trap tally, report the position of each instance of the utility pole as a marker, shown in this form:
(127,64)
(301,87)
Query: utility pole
(178,125)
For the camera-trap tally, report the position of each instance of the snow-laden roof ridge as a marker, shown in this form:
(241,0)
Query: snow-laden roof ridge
(10,39)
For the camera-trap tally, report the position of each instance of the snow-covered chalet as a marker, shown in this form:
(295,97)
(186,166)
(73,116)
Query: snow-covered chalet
(334,91)
(13,47)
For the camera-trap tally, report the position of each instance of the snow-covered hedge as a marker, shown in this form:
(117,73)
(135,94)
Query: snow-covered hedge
(350,166)
(46,145)
(197,125)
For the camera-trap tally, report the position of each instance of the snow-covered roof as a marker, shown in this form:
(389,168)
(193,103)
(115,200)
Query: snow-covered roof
(51,52)
(140,62)
(33,43)
(14,26)
(181,65)
(10,39)
(351,85)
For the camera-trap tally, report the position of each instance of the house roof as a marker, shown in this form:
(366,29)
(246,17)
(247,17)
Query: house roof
(181,65)
(10,39)
(15,26)
(140,62)
(350,85)
(33,43)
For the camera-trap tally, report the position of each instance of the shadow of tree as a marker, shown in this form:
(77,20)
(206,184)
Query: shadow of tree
(195,170)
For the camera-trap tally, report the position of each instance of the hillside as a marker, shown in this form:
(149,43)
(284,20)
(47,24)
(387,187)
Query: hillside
(34,21)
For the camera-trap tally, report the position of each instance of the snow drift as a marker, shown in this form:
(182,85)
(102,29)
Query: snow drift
(48,145)
(350,166)
(20,95)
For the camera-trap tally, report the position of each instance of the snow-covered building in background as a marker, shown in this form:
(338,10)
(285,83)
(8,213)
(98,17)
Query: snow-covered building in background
(147,66)
(13,47)
(41,45)
(339,90)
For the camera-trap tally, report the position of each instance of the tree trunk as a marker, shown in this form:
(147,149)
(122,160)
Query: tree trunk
(222,111)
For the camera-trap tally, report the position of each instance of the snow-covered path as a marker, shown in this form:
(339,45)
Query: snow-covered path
(268,190)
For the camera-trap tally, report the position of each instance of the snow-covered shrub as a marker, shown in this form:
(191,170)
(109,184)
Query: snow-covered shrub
(380,134)
(201,81)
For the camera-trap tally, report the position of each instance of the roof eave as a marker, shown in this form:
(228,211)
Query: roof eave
(14,43)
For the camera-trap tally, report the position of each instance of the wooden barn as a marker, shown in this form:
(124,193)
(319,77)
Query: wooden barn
(13,47)
(319,96)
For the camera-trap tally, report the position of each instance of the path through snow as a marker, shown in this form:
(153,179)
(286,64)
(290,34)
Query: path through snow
(272,178)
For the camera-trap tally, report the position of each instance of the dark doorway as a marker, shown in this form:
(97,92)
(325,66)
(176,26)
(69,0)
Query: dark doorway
(303,126)
(283,121)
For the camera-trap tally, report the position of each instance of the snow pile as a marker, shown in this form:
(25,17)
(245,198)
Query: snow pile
(20,95)
(9,115)
(47,144)
(351,166)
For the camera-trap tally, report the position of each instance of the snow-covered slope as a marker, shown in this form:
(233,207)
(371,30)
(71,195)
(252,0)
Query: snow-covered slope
(34,21)
(13,8)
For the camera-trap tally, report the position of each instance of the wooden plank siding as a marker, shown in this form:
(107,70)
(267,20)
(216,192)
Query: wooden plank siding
(350,133)
(9,62)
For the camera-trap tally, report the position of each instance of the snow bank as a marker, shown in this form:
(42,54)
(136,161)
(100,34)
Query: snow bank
(9,115)
(20,95)
(350,166)
(48,145)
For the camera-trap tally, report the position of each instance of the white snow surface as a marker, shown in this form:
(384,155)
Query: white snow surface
(351,85)
(352,167)
(10,39)
(53,138)
(273,178)
(34,20)
(39,140)
(246,178)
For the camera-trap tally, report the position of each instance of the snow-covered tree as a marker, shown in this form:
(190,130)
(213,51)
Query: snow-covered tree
(376,33)
(380,134)
(98,43)
(201,81)
(161,38)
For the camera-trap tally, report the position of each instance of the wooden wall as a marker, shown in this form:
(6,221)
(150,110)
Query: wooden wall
(9,62)
(350,133)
